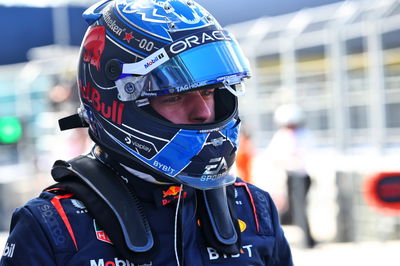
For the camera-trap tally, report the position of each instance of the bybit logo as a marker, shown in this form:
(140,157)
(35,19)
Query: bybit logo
(244,251)
(9,250)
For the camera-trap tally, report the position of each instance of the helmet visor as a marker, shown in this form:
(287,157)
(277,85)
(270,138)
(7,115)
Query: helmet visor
(201,66)
(216,62)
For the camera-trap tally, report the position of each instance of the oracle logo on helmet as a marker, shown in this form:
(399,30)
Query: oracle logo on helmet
(197,40)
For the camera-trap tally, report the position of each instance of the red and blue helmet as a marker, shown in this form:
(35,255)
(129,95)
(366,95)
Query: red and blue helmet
(137,49)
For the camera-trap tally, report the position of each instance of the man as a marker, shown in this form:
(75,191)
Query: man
(289,150)
(158,85)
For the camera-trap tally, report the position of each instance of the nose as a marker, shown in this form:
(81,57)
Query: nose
(201,109)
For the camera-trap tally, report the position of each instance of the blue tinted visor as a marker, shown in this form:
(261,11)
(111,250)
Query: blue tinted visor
(211,63)
(204,65)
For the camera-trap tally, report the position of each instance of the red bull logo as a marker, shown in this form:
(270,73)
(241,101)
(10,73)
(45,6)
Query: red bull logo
(94,45)
(172,191)
(93,96)
(172,194)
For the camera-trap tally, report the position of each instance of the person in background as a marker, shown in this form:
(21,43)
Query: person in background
(289,149)
(158,83)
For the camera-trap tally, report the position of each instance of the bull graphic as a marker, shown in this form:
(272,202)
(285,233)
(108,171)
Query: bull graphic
(171,191)
(94,45)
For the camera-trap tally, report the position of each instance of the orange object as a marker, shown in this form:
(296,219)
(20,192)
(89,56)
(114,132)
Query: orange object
(244,158)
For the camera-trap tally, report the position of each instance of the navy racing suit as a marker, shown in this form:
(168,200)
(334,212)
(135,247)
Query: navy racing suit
(56,229)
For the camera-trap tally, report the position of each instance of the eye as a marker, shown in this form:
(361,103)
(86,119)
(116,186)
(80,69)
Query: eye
(172,99)
(207,93)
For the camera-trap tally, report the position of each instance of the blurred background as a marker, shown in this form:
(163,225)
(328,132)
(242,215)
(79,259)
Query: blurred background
(337,60)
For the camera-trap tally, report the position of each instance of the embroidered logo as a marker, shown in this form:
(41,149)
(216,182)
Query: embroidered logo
(171,191)
(100,234)
(242,225)
(116,261)
(50,218)
(9,250)
(79,205)
(245,251)
(172,194)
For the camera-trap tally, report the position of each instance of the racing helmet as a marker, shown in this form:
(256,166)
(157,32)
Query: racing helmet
(137,49)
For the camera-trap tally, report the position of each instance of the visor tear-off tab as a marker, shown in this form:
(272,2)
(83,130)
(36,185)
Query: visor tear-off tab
(107,198)
(72,121)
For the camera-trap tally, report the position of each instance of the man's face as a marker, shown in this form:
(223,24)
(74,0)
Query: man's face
(194,107)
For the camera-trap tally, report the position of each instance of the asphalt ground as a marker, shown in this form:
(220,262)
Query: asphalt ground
(349,254)
(366,253)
